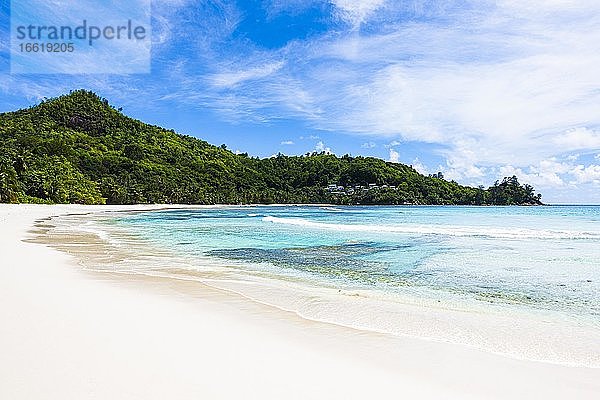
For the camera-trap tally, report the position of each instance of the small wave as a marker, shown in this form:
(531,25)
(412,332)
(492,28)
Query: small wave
(449,230)
(253,215)
(331,209)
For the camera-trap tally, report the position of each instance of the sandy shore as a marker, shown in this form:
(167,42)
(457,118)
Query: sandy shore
(66,333)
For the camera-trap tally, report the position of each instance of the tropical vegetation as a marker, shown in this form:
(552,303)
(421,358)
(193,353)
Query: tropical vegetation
(77,148)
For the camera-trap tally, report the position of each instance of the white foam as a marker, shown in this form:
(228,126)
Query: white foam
(450,230)
(331,209)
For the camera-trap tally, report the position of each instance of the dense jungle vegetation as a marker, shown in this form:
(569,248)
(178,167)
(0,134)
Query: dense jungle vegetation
(77,148)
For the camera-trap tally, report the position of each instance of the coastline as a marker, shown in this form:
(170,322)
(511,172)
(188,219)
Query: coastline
(71,333)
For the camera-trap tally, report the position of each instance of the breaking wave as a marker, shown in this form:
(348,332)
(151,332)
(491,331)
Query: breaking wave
(448,230)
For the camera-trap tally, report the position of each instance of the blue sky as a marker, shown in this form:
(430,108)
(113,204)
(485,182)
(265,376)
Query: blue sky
(475,89)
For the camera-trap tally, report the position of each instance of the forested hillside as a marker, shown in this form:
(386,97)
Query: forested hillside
(78,149)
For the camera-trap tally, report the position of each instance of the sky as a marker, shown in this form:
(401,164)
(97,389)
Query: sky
(478,90)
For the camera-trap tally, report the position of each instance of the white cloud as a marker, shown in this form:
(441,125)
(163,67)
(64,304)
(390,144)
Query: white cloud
(461,163)
(554,174)
(105,56)
(320,147)
(287,142)
(589,174)
(368,145)
(214,24)
(231,79)
(485,86)
(392,144)
(419,167)
(355,12)
(578,138)
(165,24)
(459,170)
(545,175)
(394,156)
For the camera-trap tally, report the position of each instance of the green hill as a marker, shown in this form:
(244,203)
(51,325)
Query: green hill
(79,149)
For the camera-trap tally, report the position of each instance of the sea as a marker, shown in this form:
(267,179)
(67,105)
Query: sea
(523,282)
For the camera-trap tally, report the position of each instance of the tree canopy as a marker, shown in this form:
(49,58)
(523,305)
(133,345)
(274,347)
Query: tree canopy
(77,148)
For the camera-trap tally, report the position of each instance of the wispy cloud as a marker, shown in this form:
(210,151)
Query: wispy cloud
(231,79)
(287,142)
(115,56)
(487,82)
(577,139)
(356,12)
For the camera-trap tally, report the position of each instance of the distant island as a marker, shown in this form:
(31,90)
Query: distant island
(77,148)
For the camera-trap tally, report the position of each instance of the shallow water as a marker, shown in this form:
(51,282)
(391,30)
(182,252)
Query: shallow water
(539,257)
(521,281)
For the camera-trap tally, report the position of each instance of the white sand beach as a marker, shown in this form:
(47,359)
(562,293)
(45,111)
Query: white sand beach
(67,333)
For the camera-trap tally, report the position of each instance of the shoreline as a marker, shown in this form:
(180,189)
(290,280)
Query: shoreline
(272,353)
(525,334)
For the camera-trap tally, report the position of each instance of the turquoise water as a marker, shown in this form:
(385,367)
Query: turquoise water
(528,258)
